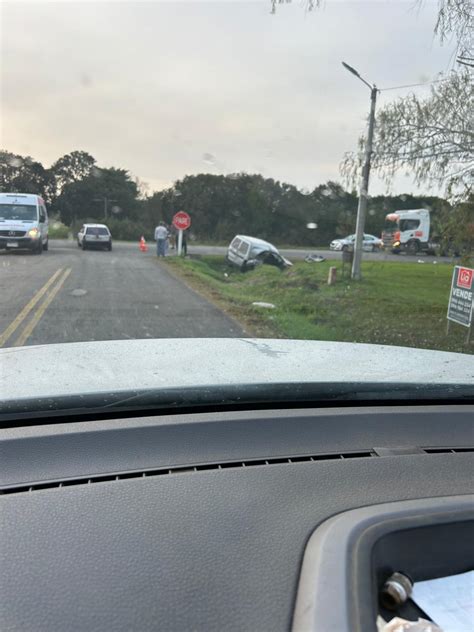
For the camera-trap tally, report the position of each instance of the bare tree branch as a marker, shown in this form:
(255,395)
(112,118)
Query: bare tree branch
(433,138)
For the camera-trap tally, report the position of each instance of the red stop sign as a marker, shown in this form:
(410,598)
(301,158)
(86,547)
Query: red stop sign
(181,220)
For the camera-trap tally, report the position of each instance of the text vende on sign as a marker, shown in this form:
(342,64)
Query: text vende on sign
(461,297)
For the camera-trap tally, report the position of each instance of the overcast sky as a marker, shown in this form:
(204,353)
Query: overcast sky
(166,89)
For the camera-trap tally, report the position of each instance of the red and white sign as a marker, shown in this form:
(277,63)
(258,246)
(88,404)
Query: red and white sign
(465,278)
(181,221)
(461,299)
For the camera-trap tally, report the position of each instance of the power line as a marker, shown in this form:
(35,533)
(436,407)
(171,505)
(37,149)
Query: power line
(412,85)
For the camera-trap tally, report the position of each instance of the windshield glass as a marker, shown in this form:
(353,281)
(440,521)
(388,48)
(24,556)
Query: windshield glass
(391,224)
(235,171)
(93,230)
(409,224)
(27,212)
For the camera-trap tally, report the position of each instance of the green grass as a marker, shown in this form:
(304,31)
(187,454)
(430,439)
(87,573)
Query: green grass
(397,303)
(57,230)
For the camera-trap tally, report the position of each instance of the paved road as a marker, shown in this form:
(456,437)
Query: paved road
(66,295)
(300,253)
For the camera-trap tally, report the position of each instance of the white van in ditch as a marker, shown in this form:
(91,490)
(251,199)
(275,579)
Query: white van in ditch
(23,222)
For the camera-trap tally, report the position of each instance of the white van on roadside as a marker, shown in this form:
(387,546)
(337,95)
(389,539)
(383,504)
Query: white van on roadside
(23,222)
(247,253)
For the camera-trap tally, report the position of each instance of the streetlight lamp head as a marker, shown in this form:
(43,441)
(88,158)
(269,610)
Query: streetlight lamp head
(350,69)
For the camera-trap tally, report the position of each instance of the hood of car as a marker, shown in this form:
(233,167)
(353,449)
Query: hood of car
(113,372)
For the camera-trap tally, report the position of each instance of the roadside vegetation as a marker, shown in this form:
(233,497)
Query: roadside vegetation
(398,304)
(58,230)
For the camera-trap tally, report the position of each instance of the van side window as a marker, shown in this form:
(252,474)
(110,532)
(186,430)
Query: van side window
(42,213)
(236,243)
(244,248)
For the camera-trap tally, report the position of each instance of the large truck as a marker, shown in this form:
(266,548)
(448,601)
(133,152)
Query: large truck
(408,231)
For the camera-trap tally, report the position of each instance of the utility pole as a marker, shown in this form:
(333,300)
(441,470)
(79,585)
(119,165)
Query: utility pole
(364,185)
(364,191)
(106,201)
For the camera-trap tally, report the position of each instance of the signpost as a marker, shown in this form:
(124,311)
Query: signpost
(461,299)
(181,221)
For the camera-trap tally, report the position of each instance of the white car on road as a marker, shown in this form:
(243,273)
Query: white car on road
(94,236)
(371,243)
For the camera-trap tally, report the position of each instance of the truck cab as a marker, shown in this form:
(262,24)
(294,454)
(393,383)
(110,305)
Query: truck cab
(407,231)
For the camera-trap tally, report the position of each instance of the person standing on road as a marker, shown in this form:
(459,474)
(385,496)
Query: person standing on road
(168,238)
(184,244)
(173,238)
(161,236)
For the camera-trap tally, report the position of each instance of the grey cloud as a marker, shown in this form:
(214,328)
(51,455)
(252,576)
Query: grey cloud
(153,87)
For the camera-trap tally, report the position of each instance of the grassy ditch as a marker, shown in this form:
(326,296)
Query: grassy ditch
(397,303)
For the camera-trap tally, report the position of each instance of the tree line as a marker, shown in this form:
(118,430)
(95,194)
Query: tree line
(77,190)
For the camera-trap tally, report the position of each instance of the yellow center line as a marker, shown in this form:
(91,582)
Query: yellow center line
(27,309)
(20,341)
(28,330)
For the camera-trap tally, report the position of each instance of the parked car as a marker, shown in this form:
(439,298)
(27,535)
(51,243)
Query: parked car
(23,222)
(247,253)
(371,243)
(94,236)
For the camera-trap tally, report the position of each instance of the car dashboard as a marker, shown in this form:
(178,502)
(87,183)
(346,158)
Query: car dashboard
(225,520)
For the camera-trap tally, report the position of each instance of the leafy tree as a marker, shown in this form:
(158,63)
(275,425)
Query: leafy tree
(225,205)
(84,199)
(456,17)
(334,211)
(72,167)
(220,206)
(22,174)
(433,137)
(457,230)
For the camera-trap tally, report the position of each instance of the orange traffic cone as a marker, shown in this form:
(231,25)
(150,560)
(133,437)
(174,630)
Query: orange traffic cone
(143,247)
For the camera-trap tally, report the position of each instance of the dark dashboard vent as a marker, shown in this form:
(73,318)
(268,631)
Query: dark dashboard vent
(447,450)
(186,470)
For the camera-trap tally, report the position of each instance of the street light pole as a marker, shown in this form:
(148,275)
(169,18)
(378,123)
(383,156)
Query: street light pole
(106,201)
(364,185)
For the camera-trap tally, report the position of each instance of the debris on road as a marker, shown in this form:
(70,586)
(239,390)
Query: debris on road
(264,305)
(314,258)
